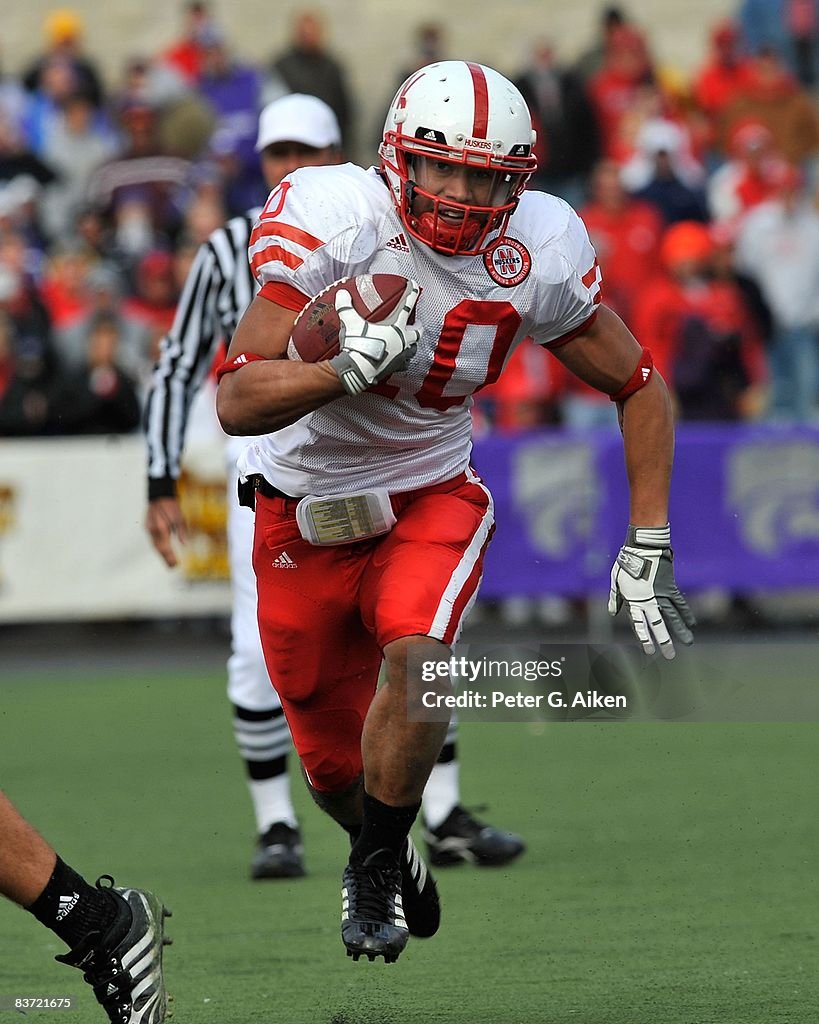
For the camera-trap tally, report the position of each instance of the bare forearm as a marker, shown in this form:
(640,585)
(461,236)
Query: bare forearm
(26,859)
(263,397)
(648,436)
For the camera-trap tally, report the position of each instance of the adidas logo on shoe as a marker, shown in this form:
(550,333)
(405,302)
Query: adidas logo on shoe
(399,243)
(284,561)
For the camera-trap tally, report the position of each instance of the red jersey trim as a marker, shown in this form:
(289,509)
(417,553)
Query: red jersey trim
(273,253)
(591,275)
(276,229)
(284,295)
(572,334)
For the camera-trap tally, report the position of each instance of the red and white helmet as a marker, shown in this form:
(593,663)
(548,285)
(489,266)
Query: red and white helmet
(460,113)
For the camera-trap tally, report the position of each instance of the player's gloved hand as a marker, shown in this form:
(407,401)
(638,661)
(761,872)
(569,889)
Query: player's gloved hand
(643,577)
(370,352)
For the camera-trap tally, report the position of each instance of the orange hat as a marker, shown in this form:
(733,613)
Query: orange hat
(684,241)
(63,25)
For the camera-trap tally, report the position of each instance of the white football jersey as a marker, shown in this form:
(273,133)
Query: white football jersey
(326,223)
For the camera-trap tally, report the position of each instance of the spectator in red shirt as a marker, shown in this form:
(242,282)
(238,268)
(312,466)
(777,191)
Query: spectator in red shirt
(699,331)
(625,234)
(615,89)
(749,178)
(773,97)
(725,74)
(187,55)
(64,286)
(153,302)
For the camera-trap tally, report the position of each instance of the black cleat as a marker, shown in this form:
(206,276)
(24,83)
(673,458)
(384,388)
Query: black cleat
(124,965)
(461,838)
(372,915)
(279,853)
(422,908)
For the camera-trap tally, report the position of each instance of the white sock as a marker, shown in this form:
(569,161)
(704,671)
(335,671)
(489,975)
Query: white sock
(271,802)
(441,794)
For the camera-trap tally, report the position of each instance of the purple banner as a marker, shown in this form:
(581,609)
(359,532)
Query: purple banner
(744,509)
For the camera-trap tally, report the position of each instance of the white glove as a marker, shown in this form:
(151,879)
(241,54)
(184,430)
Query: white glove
(643,577)
(370,352)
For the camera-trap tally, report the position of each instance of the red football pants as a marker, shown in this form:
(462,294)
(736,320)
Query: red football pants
(326,613)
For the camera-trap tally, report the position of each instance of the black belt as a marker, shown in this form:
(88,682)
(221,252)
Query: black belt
(256,482)
(267,489)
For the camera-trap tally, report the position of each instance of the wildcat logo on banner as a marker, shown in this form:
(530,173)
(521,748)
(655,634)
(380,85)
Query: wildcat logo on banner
(773,487)
(744,509)
(558,491)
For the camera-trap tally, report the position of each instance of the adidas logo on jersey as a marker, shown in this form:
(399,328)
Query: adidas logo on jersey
(399,243)
(645,372)
(284,561)
(67,904)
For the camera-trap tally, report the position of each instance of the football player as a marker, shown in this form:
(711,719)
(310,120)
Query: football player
(384,426)
(294,131)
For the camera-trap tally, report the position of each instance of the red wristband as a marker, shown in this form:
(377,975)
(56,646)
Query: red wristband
(638,379)
(234,364)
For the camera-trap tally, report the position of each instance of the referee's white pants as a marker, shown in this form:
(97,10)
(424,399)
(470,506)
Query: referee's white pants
(249,684)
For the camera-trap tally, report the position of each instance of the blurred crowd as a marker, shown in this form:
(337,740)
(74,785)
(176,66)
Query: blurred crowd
(699,194)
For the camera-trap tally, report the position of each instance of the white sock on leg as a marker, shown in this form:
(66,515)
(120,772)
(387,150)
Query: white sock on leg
(441,794)
(271,802)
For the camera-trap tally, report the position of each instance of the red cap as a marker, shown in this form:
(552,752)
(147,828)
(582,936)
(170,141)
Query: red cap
(687,240)
(156,263)
(750,137)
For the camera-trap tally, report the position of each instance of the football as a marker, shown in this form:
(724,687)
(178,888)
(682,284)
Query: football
(315,332)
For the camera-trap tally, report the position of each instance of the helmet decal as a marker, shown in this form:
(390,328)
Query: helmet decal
(481,117)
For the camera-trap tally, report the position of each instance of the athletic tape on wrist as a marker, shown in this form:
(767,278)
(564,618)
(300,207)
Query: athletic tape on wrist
(649,536)
(638,379)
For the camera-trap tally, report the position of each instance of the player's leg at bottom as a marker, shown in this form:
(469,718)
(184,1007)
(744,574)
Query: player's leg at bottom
(415,593)
(115,936)
(327,665)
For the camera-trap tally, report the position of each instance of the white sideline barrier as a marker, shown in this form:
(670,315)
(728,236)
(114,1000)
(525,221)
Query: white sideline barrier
(72,541)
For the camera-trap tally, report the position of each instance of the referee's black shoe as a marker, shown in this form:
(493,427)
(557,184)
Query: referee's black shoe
(461,838)
(372,913)
(279,853)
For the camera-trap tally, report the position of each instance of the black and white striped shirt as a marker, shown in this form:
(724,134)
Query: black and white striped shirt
(218,289)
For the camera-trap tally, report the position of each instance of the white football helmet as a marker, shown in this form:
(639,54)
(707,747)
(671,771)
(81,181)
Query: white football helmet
(462,113)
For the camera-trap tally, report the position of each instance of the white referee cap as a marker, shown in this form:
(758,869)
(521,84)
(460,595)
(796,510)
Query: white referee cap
(298,118)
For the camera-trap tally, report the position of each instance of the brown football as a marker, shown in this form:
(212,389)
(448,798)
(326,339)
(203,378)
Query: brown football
(315,333)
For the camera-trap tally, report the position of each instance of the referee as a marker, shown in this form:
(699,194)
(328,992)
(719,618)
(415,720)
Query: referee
(294,131)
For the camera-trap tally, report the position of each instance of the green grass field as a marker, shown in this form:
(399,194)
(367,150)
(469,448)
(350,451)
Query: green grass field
(670,876)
